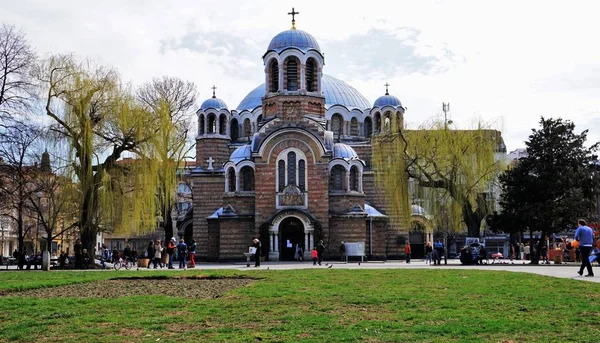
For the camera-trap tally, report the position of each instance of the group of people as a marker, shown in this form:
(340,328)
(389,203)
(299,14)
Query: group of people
(433,253)
(174,250)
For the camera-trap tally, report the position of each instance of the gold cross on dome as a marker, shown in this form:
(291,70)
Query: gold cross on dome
(293,14)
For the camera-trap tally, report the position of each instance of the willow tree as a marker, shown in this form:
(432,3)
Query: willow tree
(453,172)
(101,120)
(170,99)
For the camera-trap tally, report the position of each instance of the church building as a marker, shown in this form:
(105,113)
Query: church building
(291,164)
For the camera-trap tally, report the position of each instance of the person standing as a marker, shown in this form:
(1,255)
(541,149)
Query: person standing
(182,250)
(522,251)
(585,236)
(321,251)
(105,256)
(527,252)
(257,252)
(407,252)
(298,252)
(157,254)
(150,253)
(343,251)
(428,252)
(192,252)
(171,251)
(78,254)
(439,251)
(315,256)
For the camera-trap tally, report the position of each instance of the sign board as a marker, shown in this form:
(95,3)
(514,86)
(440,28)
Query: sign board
(355,248)
(471,240)
(252,250)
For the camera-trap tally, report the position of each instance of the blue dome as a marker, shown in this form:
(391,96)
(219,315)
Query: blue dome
(387,100)
(242,153)
(336,92)
(293,39)
(215,103)
(341,150)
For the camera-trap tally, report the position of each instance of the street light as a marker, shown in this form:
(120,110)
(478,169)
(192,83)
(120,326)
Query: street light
(37,225)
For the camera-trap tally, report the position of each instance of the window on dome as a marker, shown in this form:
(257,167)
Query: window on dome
(247,128)
(354,179)
(231,180)
(336,125)
(377,122)
(234,130)
(281,174)
(247,179)
(354,126)
(292,75)
(273,76)
(212,123)
(337,177)
(222,124)
(201,124)
(311,72)
(368,127)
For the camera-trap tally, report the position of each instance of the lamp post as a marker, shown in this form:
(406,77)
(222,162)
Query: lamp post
(37,225)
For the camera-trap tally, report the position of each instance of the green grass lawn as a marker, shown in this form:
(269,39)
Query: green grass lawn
(325,305)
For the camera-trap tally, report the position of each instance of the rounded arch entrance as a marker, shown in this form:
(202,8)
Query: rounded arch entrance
(416,236)
(288,228)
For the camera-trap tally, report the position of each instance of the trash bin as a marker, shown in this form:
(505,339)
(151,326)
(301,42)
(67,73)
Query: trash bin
(143,262)
(558,259)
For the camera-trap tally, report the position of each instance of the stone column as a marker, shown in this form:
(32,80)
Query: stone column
(360,180)
(274,237)
(302,77)
(237,181)
(281,77)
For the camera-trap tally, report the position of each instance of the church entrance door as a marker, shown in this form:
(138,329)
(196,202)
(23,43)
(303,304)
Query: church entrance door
(416,235)
(292,232)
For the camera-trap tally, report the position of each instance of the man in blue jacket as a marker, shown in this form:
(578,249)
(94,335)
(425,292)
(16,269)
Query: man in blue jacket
(585,236)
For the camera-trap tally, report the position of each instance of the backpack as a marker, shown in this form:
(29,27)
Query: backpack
(106,254)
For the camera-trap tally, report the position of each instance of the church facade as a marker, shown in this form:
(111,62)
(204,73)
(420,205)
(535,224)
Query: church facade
(291,164)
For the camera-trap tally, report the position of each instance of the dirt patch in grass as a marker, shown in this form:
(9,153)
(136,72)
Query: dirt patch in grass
(186,287)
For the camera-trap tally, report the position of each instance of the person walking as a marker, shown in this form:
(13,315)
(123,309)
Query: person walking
(321,251)
(298,253)
(150,253)
(171,251)
(407,252)
(157,254)
(438,247)
(182,250)
(315,256)
(585,236)
(343,251)
(105,256)
(192,252)
(428,252)
(257,252)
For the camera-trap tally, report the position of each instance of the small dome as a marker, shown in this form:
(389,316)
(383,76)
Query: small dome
(341,150)
(242,153)
(293,39)
(215,103)
(387,100)
(417,210)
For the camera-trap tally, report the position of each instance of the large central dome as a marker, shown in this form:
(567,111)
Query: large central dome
(336,92)
(293,39)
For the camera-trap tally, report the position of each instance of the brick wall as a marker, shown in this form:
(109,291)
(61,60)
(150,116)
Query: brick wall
(208,191)
(293,107)
(346,229)
(340,204)
(217,148)
(235,237)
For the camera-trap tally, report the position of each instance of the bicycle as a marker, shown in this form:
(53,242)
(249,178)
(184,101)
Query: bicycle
(127,263)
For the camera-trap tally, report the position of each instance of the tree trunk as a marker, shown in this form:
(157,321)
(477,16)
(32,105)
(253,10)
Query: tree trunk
(168,227)
(49,242)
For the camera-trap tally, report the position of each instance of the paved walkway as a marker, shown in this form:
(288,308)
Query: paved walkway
(568,271)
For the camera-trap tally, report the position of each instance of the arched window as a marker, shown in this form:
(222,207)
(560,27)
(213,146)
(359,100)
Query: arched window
(311,75)
(368,126)
(302,175)
(222,124)
(184,188)
(354,127)
(387,121)
(201,124)
(273,76)
(292,74)
(281,174)
(377,122)
(337,122)
(337,178)
(231,180)
(247,128)
(212,123)
(247,179)
(291,168)
(234,130)
(354,179)
(258,120)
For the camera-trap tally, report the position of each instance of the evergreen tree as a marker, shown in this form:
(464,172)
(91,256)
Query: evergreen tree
(550,188)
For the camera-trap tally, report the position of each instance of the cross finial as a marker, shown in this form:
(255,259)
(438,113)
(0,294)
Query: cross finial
(386,88)
(214,88)
(293,14)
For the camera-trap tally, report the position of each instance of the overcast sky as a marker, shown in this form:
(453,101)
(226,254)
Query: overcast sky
(506,62)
